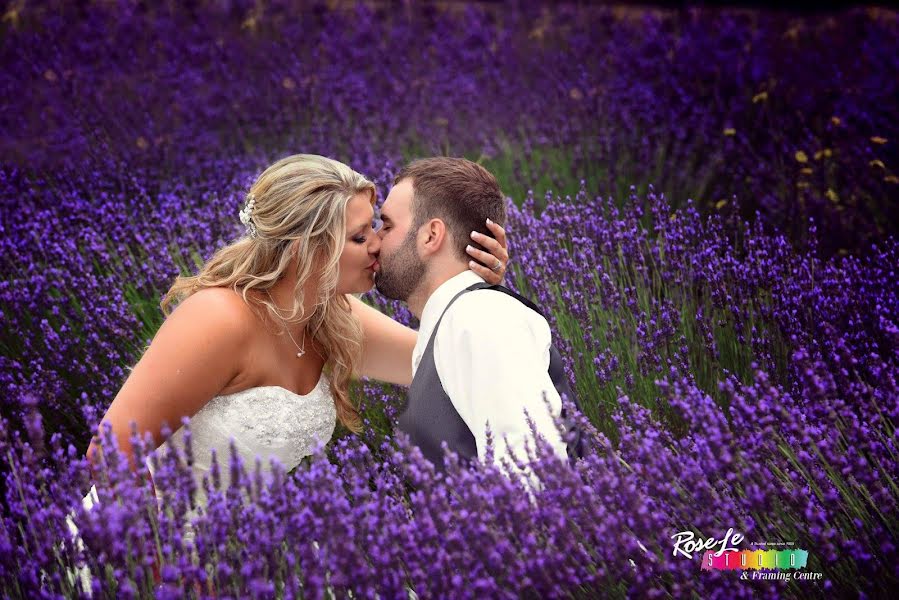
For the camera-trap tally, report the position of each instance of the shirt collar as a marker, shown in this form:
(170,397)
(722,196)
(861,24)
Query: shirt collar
(435,306)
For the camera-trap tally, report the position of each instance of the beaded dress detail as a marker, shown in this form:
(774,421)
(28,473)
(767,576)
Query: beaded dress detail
(268,422)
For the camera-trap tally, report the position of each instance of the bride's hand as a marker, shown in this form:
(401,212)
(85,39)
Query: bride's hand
(490,265)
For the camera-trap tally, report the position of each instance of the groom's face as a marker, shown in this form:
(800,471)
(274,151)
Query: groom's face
(401,269)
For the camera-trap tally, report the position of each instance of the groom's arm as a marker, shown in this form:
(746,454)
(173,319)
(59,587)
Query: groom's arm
(492,355)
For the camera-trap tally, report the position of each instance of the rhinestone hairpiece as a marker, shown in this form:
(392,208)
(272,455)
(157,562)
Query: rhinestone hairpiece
(246,215)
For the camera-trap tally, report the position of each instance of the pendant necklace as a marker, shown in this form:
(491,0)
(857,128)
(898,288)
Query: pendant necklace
(301,350)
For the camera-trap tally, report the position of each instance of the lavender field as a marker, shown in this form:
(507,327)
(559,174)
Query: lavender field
(706,201)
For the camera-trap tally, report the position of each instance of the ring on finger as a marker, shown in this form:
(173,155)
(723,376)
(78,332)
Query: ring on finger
(496,268)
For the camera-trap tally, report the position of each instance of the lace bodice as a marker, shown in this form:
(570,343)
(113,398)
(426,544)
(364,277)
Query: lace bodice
(268,422)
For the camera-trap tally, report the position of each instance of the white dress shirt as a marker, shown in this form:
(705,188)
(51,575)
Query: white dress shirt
(492,356)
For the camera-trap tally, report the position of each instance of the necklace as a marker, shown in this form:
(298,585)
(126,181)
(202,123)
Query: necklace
(301,350)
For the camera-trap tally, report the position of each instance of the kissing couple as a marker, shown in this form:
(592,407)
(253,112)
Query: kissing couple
(267,337)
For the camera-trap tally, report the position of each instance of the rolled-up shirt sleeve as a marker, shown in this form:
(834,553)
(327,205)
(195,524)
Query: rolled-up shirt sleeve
(492,356)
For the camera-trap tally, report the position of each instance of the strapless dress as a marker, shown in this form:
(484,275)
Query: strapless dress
(264,422)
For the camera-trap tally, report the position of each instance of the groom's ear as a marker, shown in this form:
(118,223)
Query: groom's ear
(434,235)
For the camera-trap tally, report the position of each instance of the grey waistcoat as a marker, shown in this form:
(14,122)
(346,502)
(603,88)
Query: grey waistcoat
(429,417)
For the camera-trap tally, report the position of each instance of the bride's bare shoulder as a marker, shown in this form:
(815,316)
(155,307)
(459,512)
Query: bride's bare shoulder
(217,305)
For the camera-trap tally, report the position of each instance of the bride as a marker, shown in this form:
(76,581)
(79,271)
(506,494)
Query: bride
(266,337)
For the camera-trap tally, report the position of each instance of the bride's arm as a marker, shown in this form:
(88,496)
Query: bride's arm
(387,345)
(193,356)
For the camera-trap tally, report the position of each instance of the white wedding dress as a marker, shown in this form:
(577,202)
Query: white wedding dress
(265,422)
(268,422)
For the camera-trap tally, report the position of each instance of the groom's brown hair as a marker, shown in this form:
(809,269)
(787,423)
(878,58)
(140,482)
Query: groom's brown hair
(461,193)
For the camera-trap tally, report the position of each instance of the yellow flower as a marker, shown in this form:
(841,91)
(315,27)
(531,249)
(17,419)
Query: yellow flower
(891,179)
(11,16)
(760,97)
(801,156)
(720,204)
(802,185)
(878,140)
(806,171)
(730,131)
(142,143)
(832,196)
(835,120)
(877,163)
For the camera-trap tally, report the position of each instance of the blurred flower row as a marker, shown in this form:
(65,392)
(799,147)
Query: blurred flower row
(795,116)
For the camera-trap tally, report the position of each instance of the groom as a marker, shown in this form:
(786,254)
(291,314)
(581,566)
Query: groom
(483,354)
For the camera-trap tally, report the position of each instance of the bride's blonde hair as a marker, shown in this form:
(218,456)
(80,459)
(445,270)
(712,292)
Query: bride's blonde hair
(298,210)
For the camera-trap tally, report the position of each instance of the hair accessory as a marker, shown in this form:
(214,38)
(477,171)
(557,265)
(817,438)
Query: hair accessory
(246,215)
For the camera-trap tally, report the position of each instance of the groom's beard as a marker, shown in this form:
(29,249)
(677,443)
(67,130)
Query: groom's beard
(401,272)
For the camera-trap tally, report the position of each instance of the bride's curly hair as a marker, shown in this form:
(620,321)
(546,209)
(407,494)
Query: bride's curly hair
(298,210)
